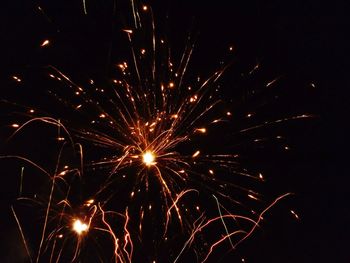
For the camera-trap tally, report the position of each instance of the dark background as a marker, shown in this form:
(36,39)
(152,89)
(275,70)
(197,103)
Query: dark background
(303,41)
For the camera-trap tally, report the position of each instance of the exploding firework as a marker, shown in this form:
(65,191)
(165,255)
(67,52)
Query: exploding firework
(136,166)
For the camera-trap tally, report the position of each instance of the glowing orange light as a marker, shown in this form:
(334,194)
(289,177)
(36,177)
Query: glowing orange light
(16,78)
(171,85)
(295,214)
(202,130)
(252,197)
(261,176)
(62,173)
(89,202)
(79,227)
(148,158)
(194,98)
(45,43)
(196,154)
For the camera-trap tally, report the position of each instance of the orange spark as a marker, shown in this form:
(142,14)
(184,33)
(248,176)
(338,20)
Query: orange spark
(45,43)
(196,154)
(79,227)
(148,158)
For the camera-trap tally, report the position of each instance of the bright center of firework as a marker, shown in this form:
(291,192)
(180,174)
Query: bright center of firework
(148,158)
(79,226)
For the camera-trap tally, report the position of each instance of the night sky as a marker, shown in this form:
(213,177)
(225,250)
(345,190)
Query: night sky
(303,43)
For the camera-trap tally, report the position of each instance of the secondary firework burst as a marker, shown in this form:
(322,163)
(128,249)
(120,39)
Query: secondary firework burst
(63,227)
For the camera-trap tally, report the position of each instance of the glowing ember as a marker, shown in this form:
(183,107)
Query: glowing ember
(79,227)
(148,158)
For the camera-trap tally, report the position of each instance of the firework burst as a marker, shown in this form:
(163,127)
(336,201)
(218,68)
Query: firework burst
(142,174)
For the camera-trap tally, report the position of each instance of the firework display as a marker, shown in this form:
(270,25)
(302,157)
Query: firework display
(139,168)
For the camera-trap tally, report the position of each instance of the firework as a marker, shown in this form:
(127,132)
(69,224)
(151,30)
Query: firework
(142,174)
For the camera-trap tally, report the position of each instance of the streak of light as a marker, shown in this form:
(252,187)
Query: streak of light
(45,43)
